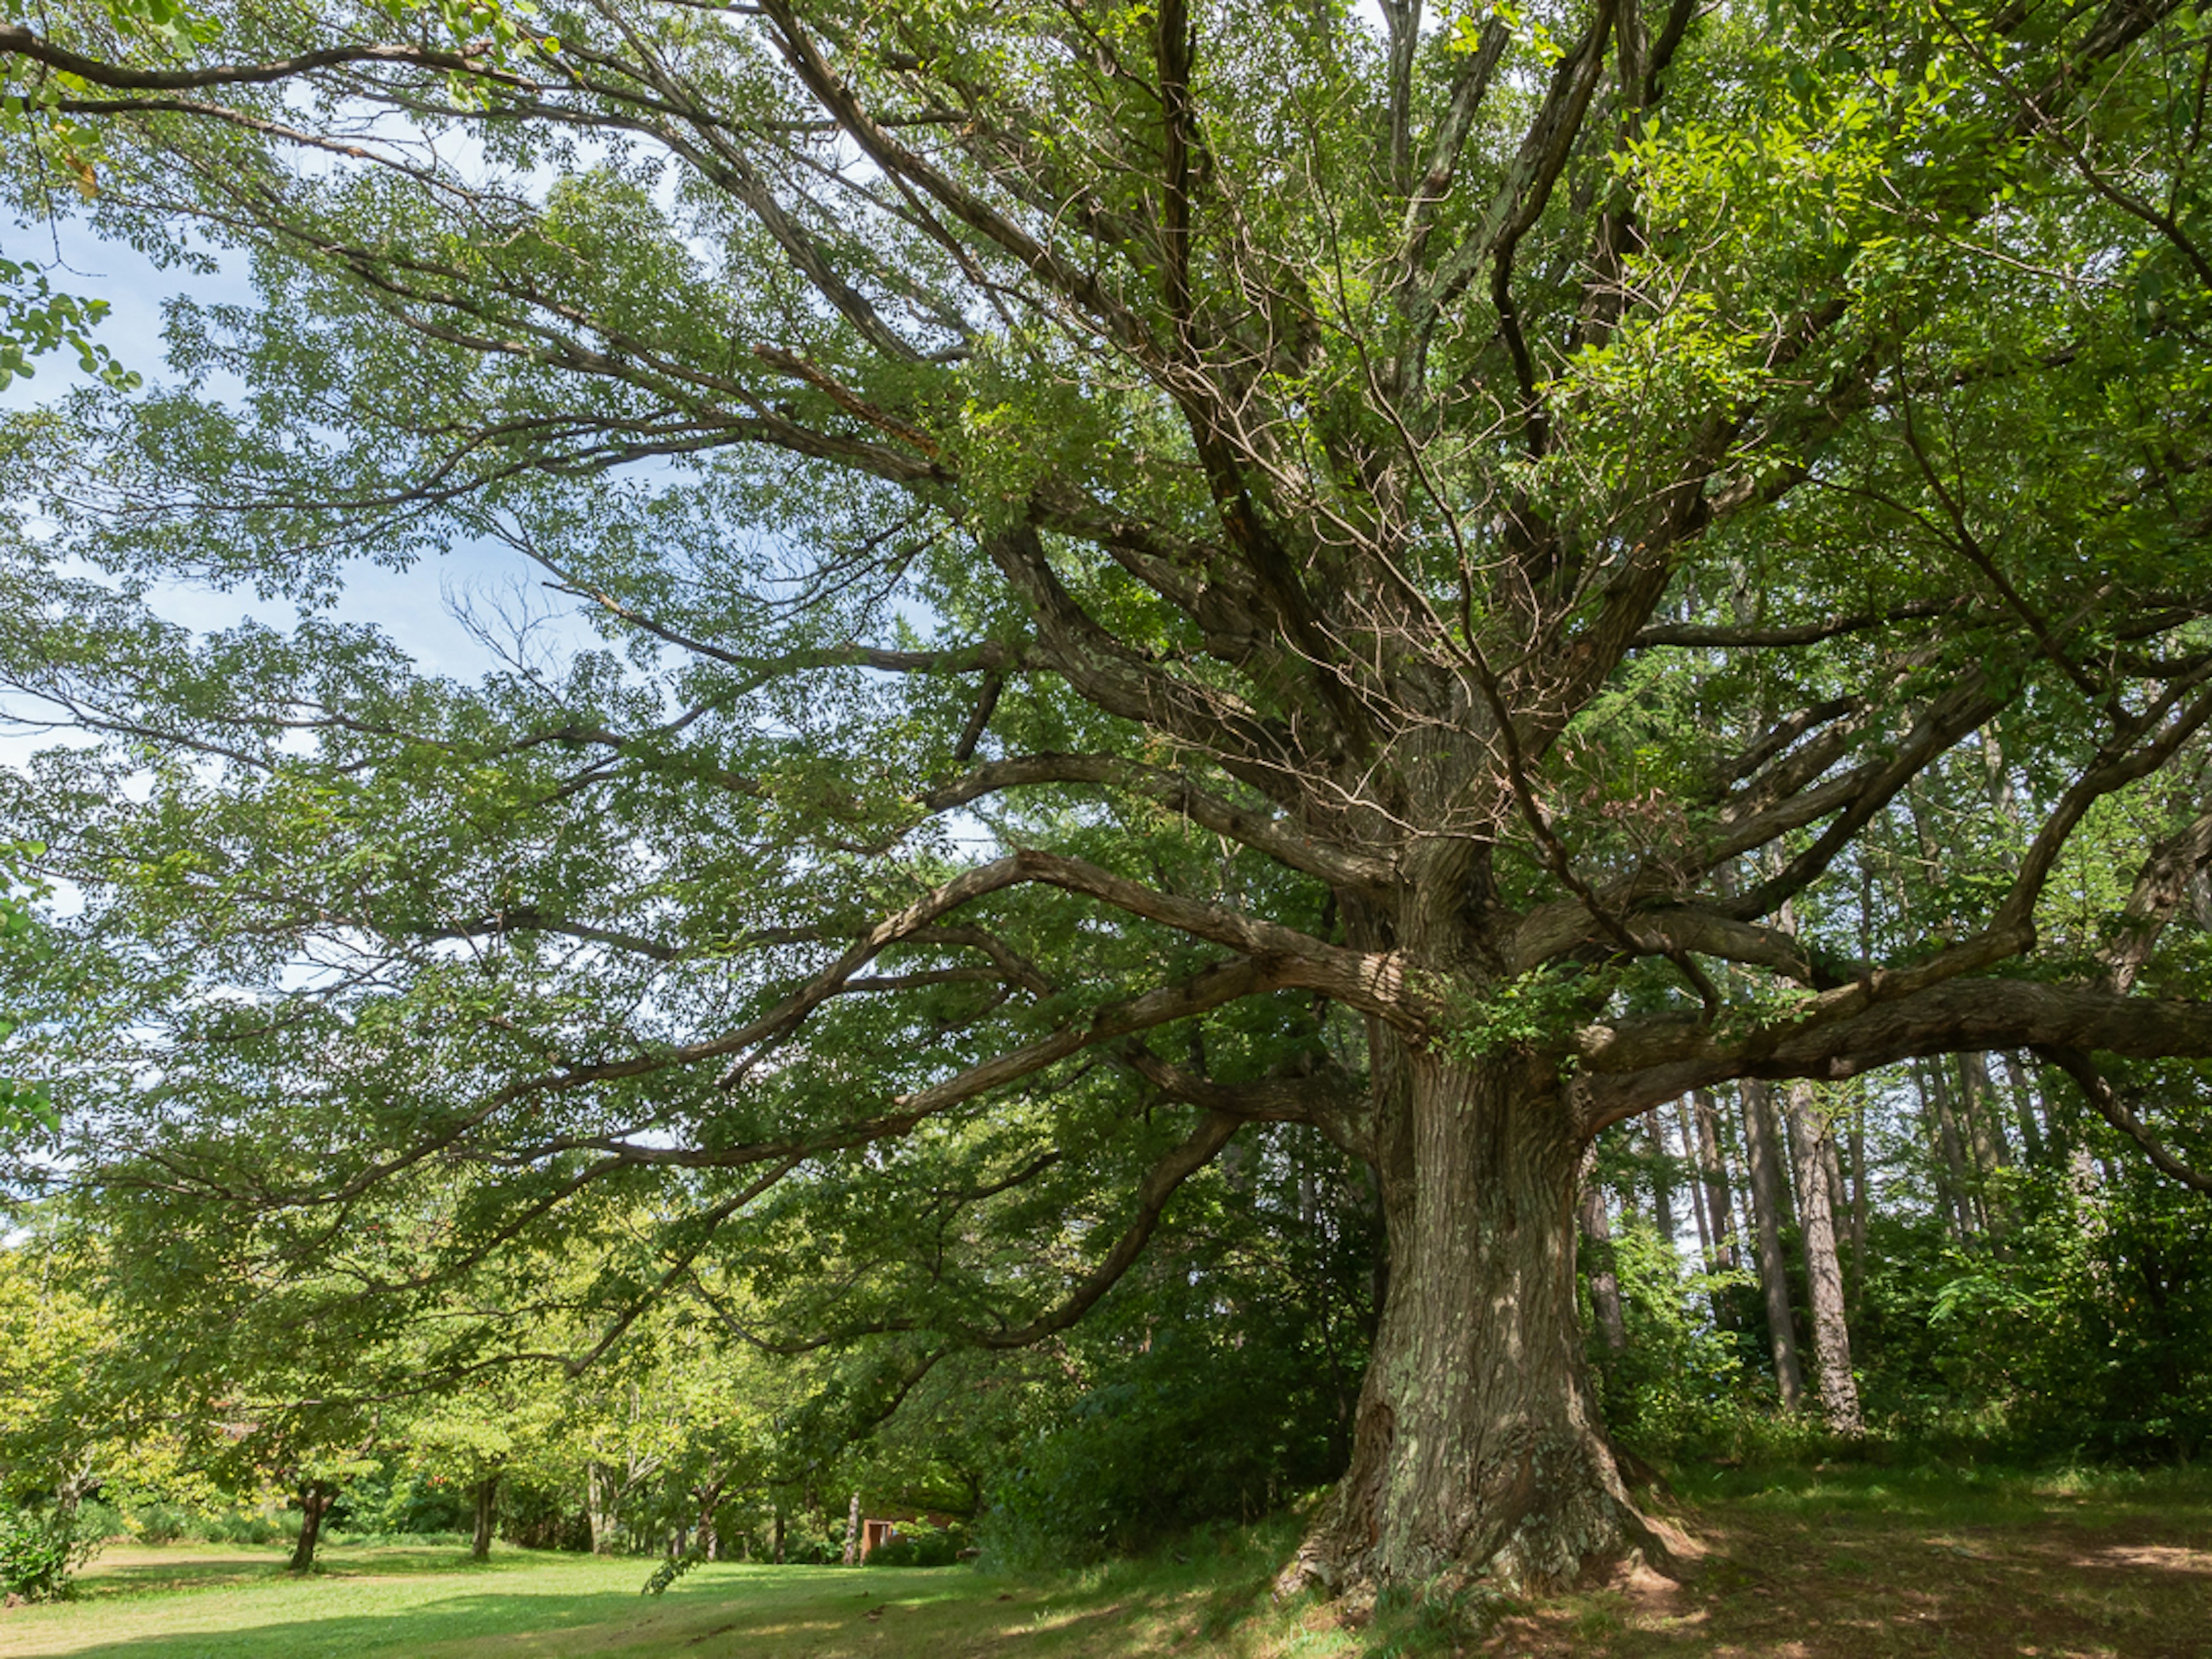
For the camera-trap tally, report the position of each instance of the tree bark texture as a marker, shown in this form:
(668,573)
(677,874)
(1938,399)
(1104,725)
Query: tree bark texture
(852,1531)
(1477,1451)
(1811,1134)
(1762,1138)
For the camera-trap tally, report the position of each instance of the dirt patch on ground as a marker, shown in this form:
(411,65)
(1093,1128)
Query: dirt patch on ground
(1866,1585)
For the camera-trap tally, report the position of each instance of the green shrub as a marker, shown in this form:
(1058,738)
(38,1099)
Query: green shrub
(37,1553)
(919,1544)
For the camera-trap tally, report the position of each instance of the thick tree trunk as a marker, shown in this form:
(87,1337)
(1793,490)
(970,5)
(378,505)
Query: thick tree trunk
(487,1496)
(1824,1278)
(1760,1139)
(852,1532)
(1477,1451)
(316,1498)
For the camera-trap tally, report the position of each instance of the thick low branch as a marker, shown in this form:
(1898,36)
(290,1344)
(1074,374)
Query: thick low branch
(1629,1068)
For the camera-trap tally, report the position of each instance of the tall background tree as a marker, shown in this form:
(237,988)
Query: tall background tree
(1177,584)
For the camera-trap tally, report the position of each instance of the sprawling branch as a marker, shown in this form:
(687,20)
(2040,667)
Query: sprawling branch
(1630,1067)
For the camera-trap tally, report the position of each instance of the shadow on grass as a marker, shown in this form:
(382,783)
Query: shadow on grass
(105,1582)
(795,1608)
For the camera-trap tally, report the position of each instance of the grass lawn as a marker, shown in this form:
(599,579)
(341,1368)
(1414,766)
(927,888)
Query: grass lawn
(1851,1564)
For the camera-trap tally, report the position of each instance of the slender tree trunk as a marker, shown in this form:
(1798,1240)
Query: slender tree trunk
(1823,1278)
(1713,1162)
(316,1498)
(852,1532)
(1761,1140)
(775,1534)
(1950,1146)
(1663,1182)
(598,1508)
(487,1507)
(1604,1282)
(1696,1187)
(1477,1449)
(2023,1106)
(1858,1187)
(1990,1152)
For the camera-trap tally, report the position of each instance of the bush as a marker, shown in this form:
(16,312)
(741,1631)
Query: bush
(919,1544)
(37,1553)
(241,1528)
(160,1522)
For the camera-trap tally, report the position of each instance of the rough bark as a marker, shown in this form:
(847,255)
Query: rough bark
(1762,1138)
(1824,1280)
(852,1531)
(1477,1451)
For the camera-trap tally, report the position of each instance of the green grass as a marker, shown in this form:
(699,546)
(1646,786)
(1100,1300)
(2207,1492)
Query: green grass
(1829,1561)
(205,1601)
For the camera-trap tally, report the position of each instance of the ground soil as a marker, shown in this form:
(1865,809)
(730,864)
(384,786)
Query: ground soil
(1860,1584)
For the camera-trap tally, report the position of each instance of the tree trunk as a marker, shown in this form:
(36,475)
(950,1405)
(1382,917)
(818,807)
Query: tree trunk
(598,1508)
(1936,1091)
(1477,1450)
(1695,1186)
(1604,1282)
(2023,1104)
(775,1534)
(1712,1162)
(1760,1139)
(1859,1189)
(316,1498)
(709,1494)
(1824,1278)
(1990,1152)
(487,1507)
(1662,1183)
(852,1532)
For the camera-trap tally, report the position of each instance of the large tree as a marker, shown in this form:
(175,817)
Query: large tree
(1167,568)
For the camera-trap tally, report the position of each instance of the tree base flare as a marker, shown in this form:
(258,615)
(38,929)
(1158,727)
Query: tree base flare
(1582,1544)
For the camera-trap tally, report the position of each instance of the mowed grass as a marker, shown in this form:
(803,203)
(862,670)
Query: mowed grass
(1850,1563)
(193,1602)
